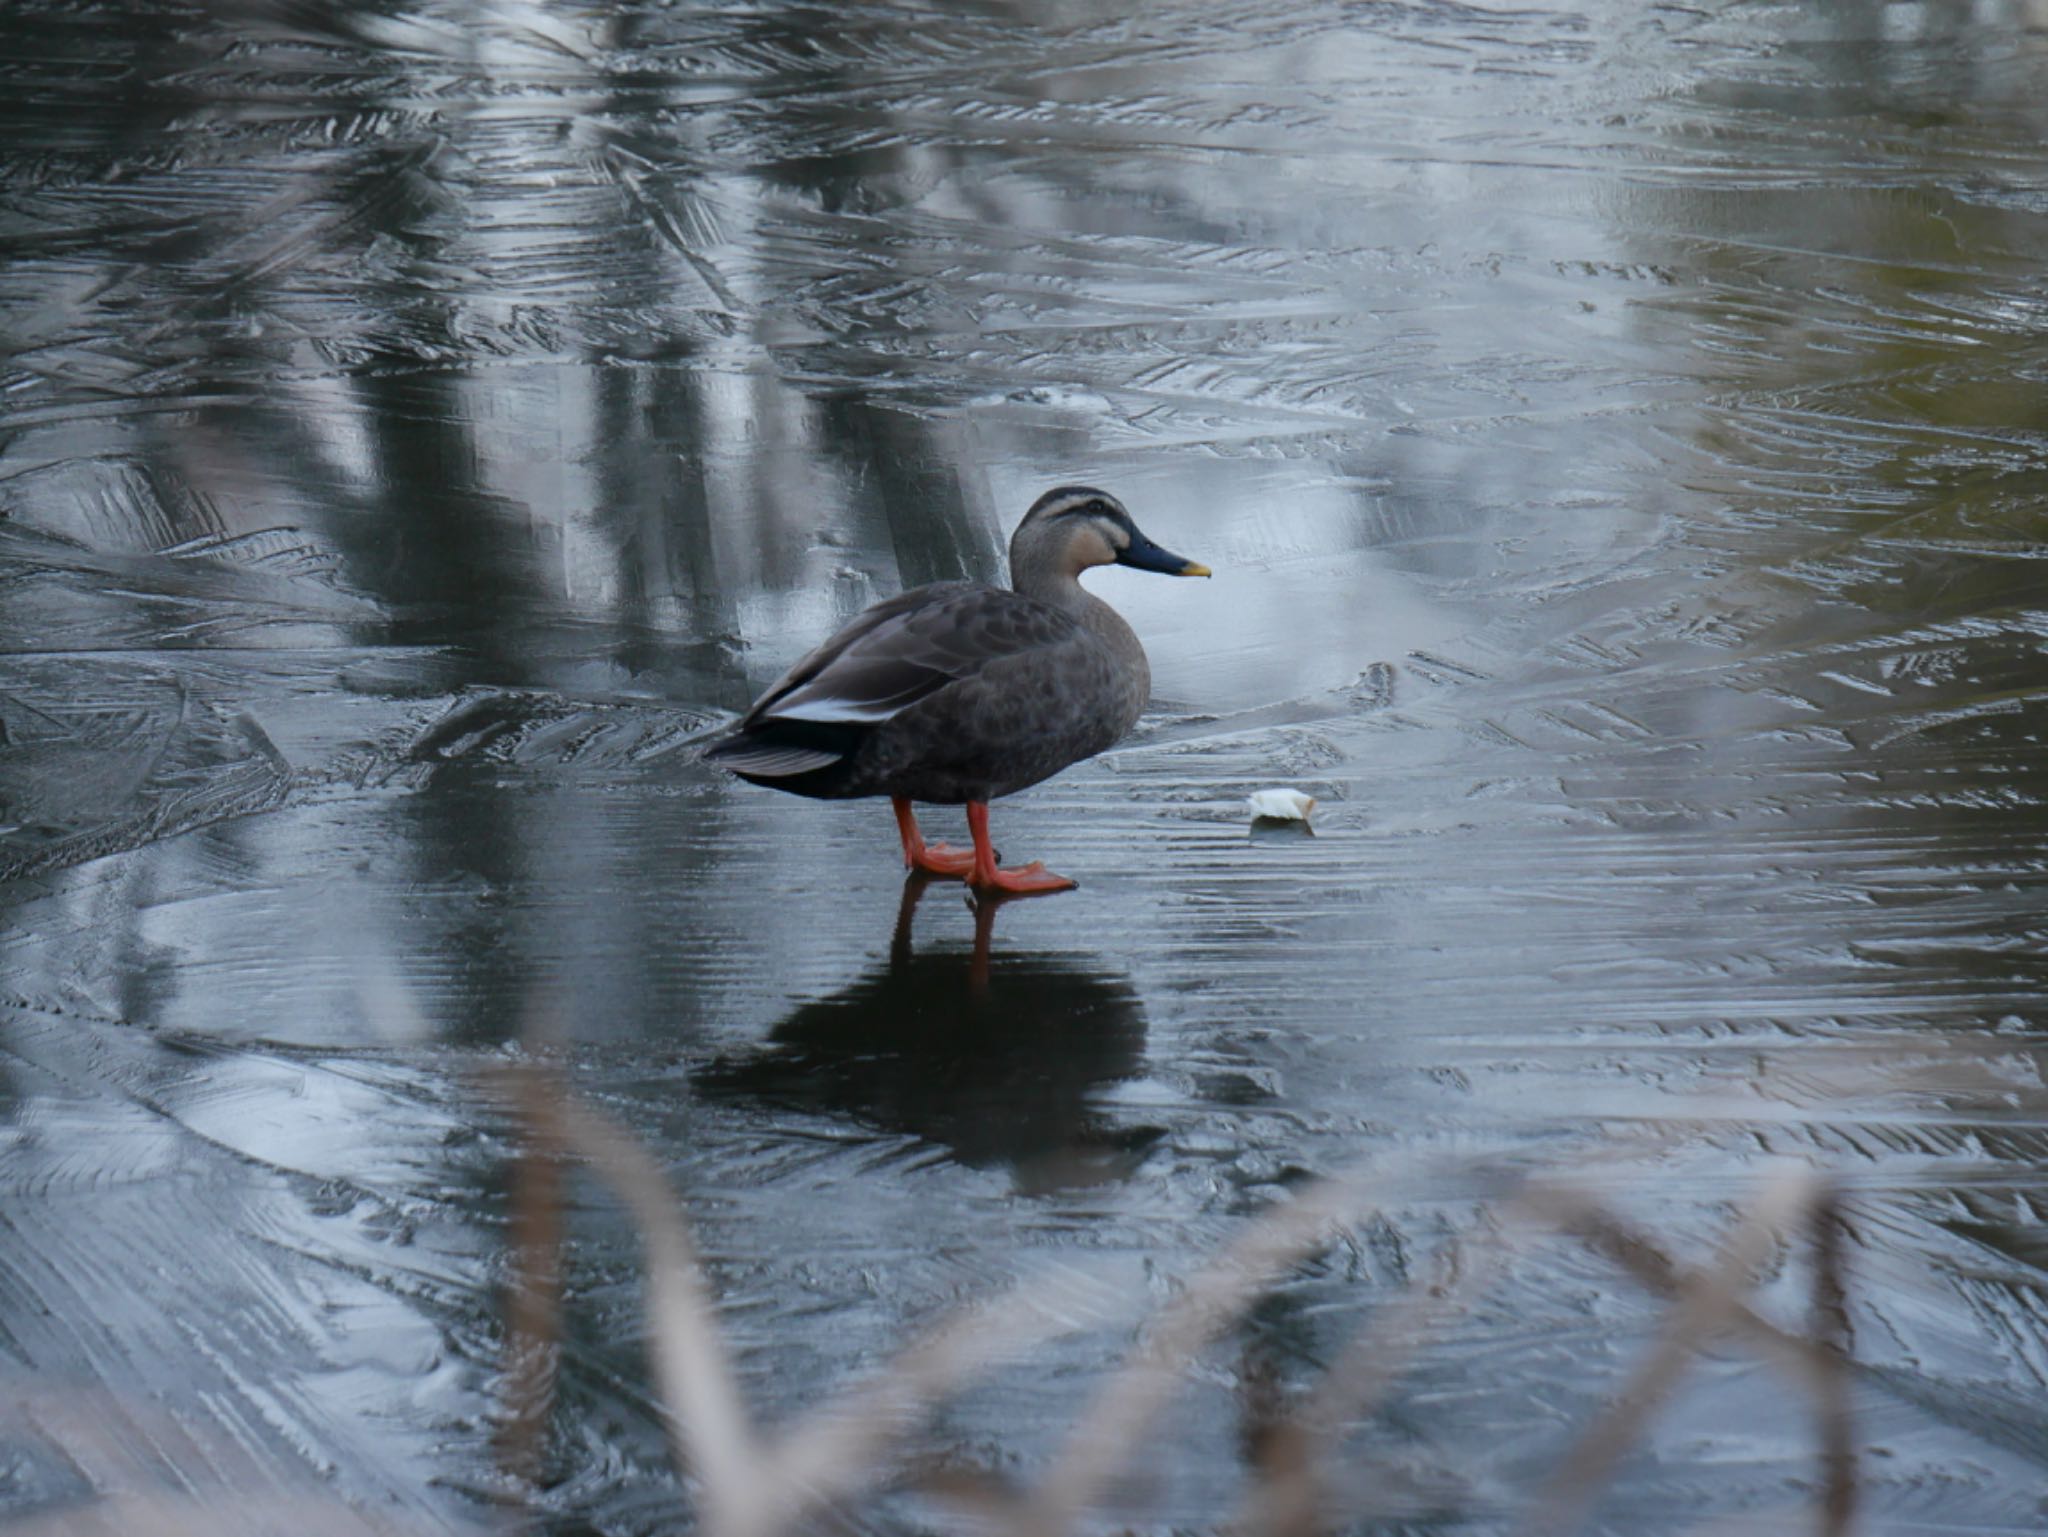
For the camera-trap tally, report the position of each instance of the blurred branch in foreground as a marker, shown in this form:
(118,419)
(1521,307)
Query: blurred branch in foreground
(755,1482)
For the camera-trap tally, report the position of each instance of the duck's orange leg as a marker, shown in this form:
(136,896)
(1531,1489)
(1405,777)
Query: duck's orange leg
(932,858)
(1021,881)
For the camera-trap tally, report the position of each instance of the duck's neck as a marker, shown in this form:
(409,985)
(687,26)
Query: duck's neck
(1063,590)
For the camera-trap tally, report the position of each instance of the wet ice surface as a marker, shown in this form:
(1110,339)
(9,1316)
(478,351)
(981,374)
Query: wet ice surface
(1619,436)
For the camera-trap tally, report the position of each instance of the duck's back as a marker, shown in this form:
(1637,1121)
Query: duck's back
(946,693)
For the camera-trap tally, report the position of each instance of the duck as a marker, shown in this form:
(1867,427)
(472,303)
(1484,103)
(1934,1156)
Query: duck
(960,693)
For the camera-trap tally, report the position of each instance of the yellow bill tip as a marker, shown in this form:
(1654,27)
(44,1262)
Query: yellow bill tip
(1195,568)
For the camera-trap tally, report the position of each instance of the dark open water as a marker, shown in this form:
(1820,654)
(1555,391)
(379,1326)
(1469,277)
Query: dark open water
(1620,432)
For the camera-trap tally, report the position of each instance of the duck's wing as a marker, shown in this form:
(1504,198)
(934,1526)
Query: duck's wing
(909,646)
(894,654)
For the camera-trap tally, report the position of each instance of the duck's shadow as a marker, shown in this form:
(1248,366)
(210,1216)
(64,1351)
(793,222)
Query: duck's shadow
(998,1058)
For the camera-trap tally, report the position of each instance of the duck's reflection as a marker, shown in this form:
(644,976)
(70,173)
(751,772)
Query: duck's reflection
(997,1058)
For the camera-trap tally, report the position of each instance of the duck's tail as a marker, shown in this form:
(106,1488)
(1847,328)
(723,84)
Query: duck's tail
(764,760)
(779,749)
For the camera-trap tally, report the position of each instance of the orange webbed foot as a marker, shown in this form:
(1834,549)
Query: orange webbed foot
(941,859)
(932,858)
(1021,881)
(989,879)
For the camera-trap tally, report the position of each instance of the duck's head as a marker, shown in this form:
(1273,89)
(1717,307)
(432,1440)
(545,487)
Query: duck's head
(1072,528)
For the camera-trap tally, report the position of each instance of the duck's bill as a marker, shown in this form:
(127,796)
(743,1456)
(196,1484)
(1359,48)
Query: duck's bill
(1143,555)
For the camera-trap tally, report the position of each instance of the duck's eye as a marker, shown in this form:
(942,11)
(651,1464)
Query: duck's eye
(1099,509)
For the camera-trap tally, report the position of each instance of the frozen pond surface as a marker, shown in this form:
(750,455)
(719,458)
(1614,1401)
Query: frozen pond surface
(1620,432)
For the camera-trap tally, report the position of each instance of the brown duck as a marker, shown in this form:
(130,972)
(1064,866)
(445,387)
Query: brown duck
(960,692)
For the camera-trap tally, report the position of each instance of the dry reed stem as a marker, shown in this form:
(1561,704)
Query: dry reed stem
(1831,1331)
(1575,1214)
(1288,1496)
(533,1302)
(232,1514)
(754,1488)
(1108,1432)
(710,1431)
(1286,1487)
(121,1442)
(751,1490)
(835,1452)
(154,1469)
(1822,1364)
(1701,1309)
(1787,1522)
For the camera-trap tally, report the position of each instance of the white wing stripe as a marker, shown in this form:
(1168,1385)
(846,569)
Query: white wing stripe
(829,709)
